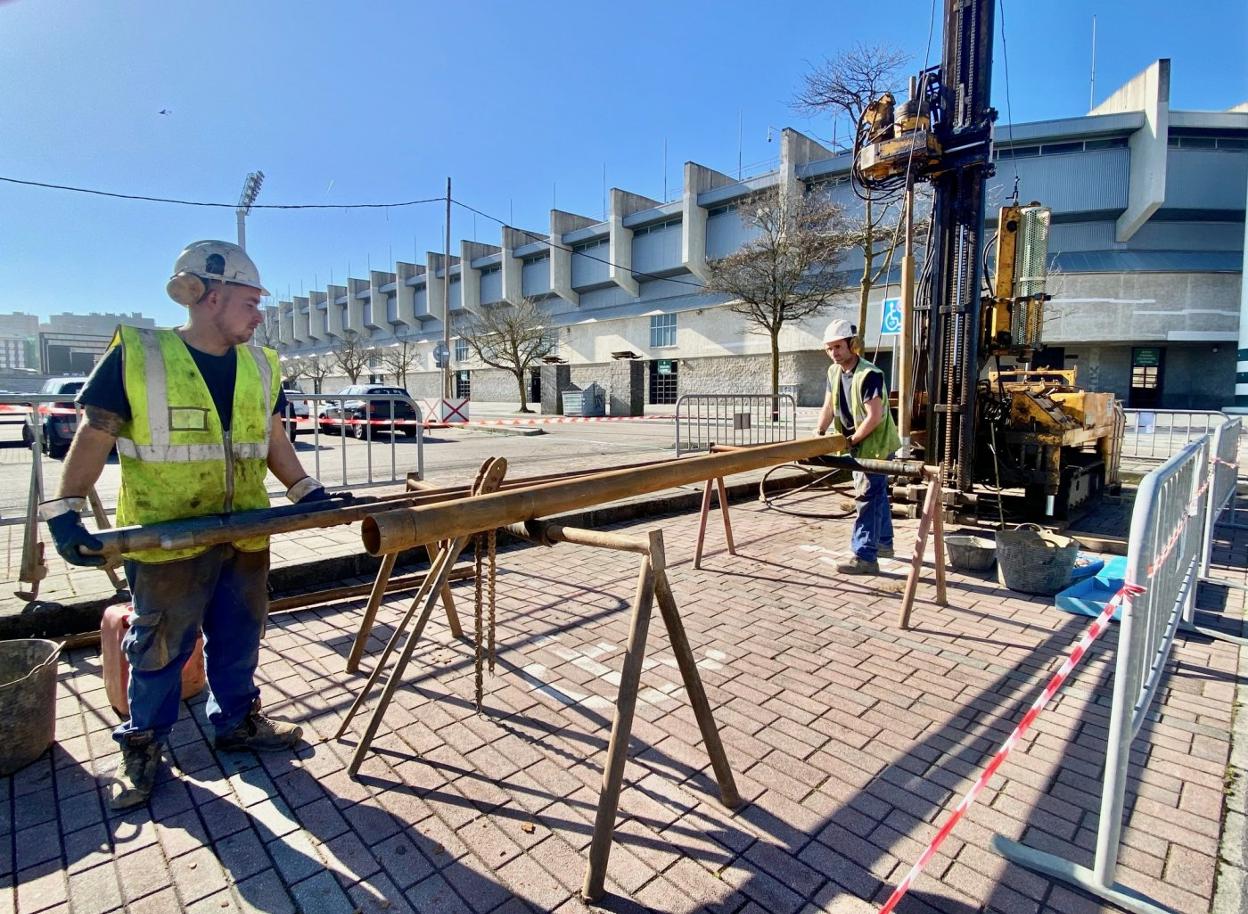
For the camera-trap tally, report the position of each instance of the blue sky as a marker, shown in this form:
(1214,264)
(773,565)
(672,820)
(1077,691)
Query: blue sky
(524,105)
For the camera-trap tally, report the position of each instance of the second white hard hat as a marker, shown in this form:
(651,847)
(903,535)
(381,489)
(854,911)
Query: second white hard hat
(839,329)
(211,260)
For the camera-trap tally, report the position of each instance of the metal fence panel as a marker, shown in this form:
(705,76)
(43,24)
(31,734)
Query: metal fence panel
(380,467)
(733,419)
(1224,455)
(1159,434)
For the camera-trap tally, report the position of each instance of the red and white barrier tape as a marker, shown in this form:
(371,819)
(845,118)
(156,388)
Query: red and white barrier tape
(1126,593)
(544,420)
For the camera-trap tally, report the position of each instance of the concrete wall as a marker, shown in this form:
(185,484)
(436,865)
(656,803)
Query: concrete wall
(1095,307)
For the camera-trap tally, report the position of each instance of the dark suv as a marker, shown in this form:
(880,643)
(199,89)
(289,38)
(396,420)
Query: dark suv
(57,421)
(375,406)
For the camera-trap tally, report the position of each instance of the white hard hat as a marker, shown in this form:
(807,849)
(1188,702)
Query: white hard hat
(839,329)
(202,261)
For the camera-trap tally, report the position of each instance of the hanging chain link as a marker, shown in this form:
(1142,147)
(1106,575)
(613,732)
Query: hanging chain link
(493,543)
(479,655)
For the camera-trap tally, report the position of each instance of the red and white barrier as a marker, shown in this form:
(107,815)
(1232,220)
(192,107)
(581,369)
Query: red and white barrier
(1099,624)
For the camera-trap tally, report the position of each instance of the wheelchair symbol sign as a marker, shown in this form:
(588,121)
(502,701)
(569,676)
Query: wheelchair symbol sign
(890,318)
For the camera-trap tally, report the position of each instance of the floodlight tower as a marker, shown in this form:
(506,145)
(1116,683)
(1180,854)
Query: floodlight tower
(251,190)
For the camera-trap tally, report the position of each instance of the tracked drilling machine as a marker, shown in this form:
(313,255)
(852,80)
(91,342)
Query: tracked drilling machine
(1010,429)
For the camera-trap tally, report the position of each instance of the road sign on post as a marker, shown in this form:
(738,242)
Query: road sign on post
(890,317)
(441,354)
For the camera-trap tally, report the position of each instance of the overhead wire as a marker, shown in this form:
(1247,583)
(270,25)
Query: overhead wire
(147,199)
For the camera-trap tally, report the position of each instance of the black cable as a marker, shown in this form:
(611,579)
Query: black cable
(547,240)
(105,193)
(1009,124)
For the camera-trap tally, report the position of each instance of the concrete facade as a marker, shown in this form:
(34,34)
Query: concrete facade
(1146,253)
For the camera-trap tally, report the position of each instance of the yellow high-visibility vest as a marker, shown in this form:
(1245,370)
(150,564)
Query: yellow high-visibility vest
(176,460)
(884,440)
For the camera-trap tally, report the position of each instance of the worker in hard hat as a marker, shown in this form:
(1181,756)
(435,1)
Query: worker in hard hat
(195,415)
(856,405)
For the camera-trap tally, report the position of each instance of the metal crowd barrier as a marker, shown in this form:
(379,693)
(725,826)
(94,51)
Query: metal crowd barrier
(733,419)
(1226,466)
(326,419)
(1167,547)
(373,432)
(1158,434)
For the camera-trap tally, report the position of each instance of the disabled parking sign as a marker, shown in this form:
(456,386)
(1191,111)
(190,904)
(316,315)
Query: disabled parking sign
(890,317)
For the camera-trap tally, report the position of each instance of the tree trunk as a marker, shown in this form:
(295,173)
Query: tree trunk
(524,400)
(868,263)
(775,374)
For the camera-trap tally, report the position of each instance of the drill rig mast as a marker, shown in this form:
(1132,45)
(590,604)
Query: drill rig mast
(1031,432)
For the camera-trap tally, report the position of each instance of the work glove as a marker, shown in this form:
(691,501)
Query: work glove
(310,489)
(68,533)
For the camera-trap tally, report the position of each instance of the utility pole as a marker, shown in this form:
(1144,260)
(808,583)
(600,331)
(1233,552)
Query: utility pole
(446,298)
(251,190)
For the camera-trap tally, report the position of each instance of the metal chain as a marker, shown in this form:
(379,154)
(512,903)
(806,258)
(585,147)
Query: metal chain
(493,541)
(477,598)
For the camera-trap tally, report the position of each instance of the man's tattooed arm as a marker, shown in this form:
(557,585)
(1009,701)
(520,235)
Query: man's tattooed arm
(103,420)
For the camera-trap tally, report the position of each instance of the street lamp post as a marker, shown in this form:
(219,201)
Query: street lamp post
(251,190)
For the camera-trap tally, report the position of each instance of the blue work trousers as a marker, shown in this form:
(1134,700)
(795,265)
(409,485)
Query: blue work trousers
(873,523)
(223,591)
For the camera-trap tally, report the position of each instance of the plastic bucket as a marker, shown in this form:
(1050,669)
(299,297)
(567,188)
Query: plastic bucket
(27,700)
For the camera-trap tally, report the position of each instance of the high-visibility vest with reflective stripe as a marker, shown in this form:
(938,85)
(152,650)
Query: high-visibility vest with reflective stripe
(884,440)
(176,460)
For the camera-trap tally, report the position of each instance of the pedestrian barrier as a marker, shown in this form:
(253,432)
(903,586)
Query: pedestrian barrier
(1164,554)
(50,422)
(329,417)
(734,419)
(1224,456)
(1158,434)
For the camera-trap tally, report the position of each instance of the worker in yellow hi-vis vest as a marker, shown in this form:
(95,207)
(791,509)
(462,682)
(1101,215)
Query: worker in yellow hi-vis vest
(856,403)
(196,416)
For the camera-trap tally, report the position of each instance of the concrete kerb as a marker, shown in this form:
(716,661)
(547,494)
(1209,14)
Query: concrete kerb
(1231,896)
(61,620)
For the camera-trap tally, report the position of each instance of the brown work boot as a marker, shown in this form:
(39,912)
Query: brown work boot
(136,772)
(260,733)
(858,566)
(884,552)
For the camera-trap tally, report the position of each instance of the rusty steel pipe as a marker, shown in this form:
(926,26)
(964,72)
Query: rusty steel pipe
(394,531)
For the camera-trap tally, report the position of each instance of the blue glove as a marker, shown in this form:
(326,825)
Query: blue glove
(309,490)
(69,534)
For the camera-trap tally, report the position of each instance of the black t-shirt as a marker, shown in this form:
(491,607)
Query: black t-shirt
(107,390)
(872,387)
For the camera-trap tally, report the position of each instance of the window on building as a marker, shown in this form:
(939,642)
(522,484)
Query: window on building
(721,210)
(662,330)
(461,350)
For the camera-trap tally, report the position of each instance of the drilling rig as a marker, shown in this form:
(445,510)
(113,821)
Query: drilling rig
(987,431)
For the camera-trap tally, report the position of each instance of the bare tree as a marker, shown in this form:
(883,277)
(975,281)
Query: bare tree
(399,359)
(316,368)
(785,273)
(352,355)
(513,338)
(842,87)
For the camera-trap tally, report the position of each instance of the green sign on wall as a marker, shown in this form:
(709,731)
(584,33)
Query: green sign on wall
(1146,358)
(665,366)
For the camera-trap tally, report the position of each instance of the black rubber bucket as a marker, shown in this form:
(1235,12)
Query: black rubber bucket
(27,700)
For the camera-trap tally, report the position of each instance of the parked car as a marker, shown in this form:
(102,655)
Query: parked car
(57,421)
(369,405)
(296,418)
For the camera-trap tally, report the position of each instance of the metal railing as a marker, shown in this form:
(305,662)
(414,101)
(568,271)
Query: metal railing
(57,425)
(1225,459)
(1166,548)
(1159,434)
(327,419)
(733,419)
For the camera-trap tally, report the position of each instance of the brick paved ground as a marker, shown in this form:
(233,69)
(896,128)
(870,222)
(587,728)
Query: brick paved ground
(848,738)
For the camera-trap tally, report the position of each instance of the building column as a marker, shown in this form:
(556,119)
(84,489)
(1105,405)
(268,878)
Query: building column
(623,205)
(1241,353)
(698,179)
(337,322)
(299,312)
(405,292)
(561,223)
(470,276)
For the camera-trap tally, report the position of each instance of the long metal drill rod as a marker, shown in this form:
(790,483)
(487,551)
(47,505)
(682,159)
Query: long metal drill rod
(213,529)
(393,531)
(911,469)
